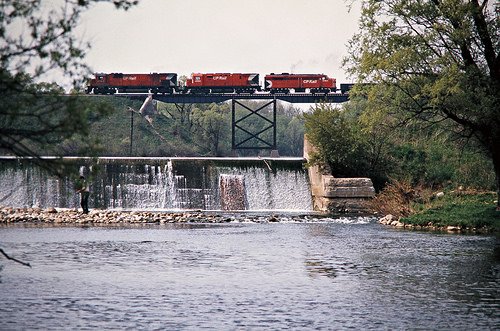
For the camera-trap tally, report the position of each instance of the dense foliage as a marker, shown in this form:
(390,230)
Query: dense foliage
(191,130)
(428,156)
(36,40)
(436,63)
(339,140)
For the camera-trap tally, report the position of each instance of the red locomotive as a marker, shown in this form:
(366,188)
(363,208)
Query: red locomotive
(110,83)
(223,83)
(315,83)
(210,83)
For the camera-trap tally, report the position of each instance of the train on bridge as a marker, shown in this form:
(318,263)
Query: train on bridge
(209,83)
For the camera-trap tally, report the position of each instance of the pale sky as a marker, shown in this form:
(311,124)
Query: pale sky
(185,36)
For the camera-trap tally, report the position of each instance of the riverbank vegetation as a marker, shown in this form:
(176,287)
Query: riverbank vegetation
(467,210)
(420,206)
(433,64)
(426,111)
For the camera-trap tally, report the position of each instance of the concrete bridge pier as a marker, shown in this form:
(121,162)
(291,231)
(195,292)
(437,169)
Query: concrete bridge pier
(337,195)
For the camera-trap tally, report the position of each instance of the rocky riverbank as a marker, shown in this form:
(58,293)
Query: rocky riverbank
(95,216)
(52,216)
(393,221)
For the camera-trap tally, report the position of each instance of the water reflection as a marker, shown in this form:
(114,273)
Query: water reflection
(248,276)
(320,268)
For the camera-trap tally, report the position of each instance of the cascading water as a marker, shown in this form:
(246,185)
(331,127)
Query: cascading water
(163,184)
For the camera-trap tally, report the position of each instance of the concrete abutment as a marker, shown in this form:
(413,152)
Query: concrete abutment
(334,195)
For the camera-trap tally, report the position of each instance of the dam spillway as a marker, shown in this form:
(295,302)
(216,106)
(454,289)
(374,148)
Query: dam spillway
(266,184)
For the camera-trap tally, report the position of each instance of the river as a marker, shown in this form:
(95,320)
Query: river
(346,273)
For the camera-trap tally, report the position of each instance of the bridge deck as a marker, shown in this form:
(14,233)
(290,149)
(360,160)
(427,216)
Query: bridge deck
(214,97)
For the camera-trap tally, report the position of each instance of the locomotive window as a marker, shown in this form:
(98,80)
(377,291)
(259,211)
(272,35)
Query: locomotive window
(100,77)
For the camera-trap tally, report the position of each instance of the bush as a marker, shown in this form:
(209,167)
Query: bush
(398,199)
(340,142)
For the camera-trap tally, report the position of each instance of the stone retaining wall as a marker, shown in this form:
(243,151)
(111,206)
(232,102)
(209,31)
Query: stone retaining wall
(334,195)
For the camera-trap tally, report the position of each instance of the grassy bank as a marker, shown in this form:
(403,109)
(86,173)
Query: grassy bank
(464,210)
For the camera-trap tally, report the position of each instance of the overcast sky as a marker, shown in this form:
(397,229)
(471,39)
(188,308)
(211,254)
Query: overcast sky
(185,36)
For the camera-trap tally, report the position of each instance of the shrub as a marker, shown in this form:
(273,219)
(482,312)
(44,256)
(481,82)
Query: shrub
(398,198)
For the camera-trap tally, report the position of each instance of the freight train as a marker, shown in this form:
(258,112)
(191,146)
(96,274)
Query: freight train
(166,83)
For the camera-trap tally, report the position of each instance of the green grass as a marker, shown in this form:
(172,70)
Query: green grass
(458,209)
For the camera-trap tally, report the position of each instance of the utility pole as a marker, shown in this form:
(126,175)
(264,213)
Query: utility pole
(131,129)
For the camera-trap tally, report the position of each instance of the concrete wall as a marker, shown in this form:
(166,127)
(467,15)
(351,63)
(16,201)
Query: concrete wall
(334,195)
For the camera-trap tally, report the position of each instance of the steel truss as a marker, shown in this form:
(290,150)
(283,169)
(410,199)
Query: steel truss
(253,137)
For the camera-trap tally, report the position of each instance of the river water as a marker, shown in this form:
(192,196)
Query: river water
(314,275)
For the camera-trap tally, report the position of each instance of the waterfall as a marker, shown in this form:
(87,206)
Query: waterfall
(162,184)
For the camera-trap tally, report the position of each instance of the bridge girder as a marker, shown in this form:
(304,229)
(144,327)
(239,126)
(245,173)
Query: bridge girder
(217,98)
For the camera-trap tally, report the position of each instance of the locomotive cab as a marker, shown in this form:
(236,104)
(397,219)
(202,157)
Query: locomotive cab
(132,83)
(99,84)
(299,83)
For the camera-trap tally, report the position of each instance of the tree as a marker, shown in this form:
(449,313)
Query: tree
(433,61)
(37,120)
(290,130)
(335,138)
(212,127)
(37,39)
(344,144)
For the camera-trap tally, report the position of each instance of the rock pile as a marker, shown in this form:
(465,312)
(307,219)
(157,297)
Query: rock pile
(392,220)
(9,215)
(396,222)
(71,216)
